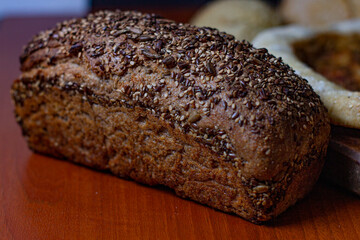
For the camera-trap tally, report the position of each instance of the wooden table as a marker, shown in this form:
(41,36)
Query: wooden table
(45,198)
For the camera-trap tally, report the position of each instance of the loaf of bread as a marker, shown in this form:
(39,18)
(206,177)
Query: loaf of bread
(143,97)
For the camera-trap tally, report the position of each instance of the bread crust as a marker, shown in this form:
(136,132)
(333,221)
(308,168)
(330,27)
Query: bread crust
(343,105)
(217,120)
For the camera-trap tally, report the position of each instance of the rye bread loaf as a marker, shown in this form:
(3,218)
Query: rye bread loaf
(215,119)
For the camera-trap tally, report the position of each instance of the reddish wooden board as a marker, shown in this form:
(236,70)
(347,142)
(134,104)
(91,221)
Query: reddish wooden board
(45,198)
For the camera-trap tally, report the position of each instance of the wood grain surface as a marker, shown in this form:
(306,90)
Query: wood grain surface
(45,198)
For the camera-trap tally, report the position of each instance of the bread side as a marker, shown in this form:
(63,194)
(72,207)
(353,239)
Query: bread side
(191,108)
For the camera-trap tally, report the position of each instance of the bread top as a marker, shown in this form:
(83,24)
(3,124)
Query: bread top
(240,101)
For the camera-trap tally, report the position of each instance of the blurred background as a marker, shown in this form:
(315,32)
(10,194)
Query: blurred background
(15,8)
(244,19)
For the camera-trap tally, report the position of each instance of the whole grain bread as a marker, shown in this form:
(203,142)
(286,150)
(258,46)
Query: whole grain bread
(215,119)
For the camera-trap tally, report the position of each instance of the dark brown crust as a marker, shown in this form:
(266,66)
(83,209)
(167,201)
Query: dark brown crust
(248,130)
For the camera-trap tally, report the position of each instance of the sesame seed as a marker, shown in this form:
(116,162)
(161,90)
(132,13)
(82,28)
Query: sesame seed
(194,117)
(235,115)
(267,153)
